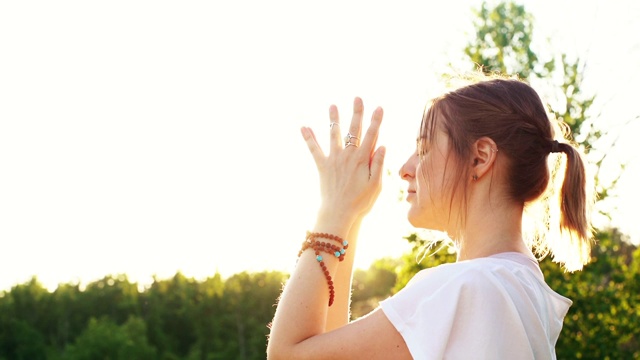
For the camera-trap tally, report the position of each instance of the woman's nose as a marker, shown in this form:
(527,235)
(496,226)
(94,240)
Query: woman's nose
(407,171)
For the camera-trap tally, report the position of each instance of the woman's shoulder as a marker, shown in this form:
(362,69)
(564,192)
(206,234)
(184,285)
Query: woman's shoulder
(447,280)
(469,270)
(498,275)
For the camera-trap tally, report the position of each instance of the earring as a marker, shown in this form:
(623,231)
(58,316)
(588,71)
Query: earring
(474,177)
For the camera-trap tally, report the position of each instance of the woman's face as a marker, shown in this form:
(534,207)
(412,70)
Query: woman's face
(429,183)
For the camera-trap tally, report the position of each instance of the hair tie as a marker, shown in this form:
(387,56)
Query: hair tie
(555,147)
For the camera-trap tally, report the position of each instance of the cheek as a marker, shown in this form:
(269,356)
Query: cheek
(426,199)
(432,196)
(428,183)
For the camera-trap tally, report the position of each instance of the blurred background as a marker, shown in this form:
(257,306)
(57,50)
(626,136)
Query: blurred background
(155,189)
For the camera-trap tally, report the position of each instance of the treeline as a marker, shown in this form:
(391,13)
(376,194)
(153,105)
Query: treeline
(177,318)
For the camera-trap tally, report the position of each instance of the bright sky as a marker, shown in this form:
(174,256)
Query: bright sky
(147,137)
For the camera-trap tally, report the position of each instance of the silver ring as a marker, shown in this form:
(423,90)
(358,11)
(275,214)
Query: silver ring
(332,124)
(347,139)
(349,143)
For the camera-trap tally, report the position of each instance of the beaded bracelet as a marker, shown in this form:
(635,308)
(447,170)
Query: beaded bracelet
(320,246)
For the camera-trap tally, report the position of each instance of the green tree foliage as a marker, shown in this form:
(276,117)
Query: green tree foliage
(169,307)
(104,339)
(372,285)
(503,40)
(422,257)
(113,297)
(603,321)
(176,318)
(23,315)
(246,310)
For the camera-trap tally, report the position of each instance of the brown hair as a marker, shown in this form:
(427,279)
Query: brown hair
(512,114)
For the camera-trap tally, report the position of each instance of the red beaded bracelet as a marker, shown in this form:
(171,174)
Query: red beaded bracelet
(320,246)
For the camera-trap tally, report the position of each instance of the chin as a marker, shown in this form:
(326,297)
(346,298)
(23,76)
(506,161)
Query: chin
(414,223)
(424,221)
(418,221)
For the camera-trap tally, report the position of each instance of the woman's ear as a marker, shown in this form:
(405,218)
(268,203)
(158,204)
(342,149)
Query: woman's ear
(483,156)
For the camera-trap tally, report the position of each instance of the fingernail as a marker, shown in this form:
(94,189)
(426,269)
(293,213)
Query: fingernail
(305,132)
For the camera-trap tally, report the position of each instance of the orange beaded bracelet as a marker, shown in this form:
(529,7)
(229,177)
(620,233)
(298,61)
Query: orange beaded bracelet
(311,242)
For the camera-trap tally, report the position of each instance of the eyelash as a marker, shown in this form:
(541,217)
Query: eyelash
(421,150)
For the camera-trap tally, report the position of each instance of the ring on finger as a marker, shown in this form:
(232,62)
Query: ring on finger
(332,125)
(349,143)
(347,139)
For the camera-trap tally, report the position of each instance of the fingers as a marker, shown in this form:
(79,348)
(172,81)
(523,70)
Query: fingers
(312,144)
(355,129)
(334,132)
(377,163)
(367,143)
(371,137)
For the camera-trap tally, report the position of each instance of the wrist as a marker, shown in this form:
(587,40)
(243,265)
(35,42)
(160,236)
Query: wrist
(334,222)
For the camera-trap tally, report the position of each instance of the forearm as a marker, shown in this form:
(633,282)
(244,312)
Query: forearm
(303,309)
(339,314)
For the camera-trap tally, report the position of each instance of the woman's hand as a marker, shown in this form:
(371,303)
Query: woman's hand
(351,175)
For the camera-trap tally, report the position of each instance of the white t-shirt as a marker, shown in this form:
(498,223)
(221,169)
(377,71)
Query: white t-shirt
(498,307)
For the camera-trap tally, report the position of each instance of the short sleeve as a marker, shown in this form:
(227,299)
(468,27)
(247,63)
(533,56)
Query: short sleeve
(459,312)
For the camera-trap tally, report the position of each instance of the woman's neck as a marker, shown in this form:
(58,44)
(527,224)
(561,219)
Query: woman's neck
(492,230)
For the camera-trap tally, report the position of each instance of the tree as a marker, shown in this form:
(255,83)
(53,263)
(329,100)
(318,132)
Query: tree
(168,310)
(67,319)
(250,308)
(503,41)
(22,318)
(176,318)
(104,339)
(208,326)
(602,322)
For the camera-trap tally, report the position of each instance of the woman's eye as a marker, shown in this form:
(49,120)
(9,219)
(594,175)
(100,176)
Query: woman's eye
(421,147)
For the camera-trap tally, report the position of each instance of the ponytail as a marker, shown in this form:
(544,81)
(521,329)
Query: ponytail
(573,248)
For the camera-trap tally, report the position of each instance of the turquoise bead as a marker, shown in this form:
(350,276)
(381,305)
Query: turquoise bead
(345,243)
(319,257)
(337,253)
(342,251)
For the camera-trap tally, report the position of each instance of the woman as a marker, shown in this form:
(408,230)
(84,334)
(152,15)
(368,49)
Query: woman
(482,158)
